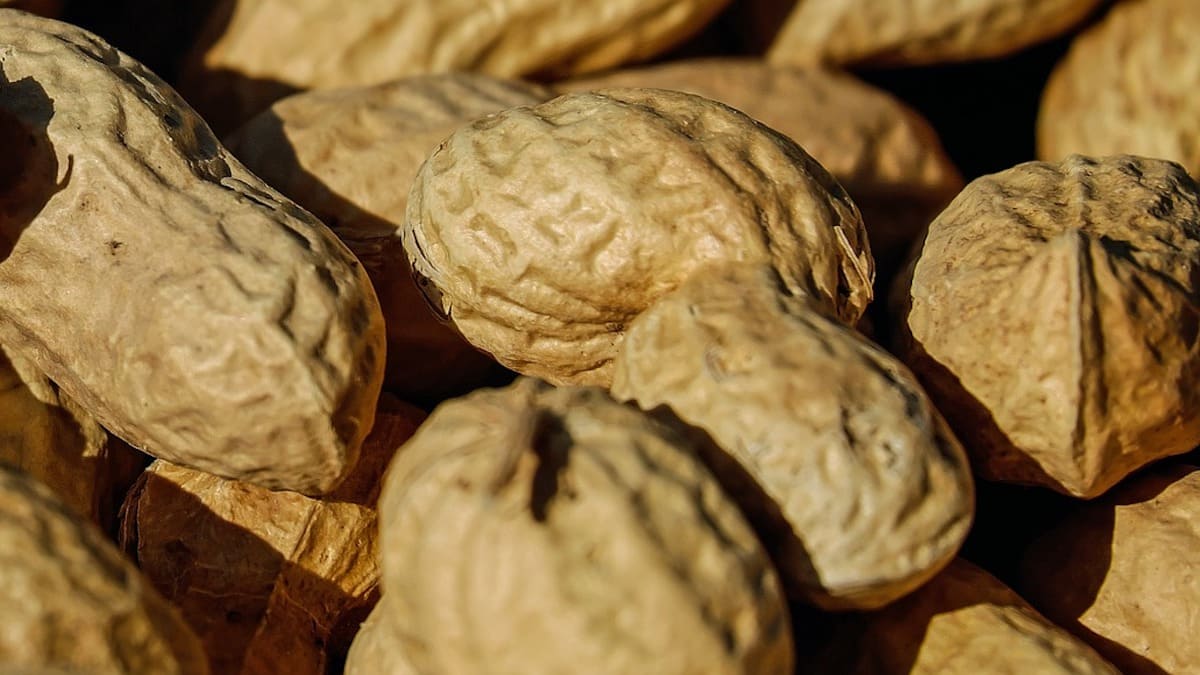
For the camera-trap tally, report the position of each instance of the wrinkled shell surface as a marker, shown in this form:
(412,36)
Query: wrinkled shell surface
(963,619)
(495,560)
(263,577)
(1121,572)
(915,32)
(1128,85)
(193,310)
(69,600)
(376,649)
(541,232)
(1084,274)
(856,484)
(349,157)
(251,48)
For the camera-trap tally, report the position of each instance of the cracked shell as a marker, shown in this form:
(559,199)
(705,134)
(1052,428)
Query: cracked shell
(1084,274)
(69,601)
(194,311)
(851,477)
(542,530)
(542,231)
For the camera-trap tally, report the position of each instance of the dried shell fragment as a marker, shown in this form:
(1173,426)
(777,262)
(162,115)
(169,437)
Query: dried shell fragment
(1083,274)
(541,530)
(69,601)
(190,308)
(349,156)
(849,473)
(541,232)
(1121,573)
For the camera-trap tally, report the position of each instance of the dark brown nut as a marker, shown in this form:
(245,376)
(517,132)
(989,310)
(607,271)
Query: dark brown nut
(194,311)
(1052,315)
(851,477)
(69,601)
(542,232)
(1121,572)
(50,8)
(541,530)
(348,156)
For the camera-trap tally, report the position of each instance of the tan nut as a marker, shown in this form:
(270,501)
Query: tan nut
(376,649)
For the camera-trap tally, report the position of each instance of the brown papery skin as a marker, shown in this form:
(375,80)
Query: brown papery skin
(349,157)
(541,232)
(194,311)
(1121,572)
(376,649)
(912,32)
(964,622)
(540,530)
(252,50)
(848,473)
(1052,315)
(70,602)
(1128,85)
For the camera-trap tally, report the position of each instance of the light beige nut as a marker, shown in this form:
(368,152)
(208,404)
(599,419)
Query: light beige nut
(884,153)
(252,51)
(964,622)
(1052,315)
(348,156)
(69,601)
(45,434)
(1121,572)
(910,32)
(541,232)
(1127,86)
(376,650)
(194,311)
(848,473)
(541,530)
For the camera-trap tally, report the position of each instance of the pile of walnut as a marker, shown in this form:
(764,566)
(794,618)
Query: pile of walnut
(661,439)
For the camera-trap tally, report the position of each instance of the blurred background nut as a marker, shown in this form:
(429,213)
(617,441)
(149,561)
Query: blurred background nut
(495,559)
(376,648)
(68,600)
(349,156)
(1053,316)
(542,231)
(49,8)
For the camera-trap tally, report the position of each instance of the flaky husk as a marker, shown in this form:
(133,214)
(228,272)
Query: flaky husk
(69,601)
(540,530)
(849,474)
(270,581)
(1121,572)
(908,32)
(964,622)
(252,51)
(376,649)
(349,157)
(1052,315)
(541,232)
(1128,85)
(44,433)
(193,310)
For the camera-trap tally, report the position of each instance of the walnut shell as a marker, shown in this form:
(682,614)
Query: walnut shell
(1126,87)
(850,475)
(541,530)
(1053,314)
(1121,572)
(349,156)
(542,231)
(69,601)
(190,308)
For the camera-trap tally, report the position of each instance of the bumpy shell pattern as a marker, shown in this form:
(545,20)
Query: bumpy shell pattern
(348,156)
(376,649)
(915,32)
(1128,86)
(69,600)
(1084,274)
(541,232)
(494,561)
(874,494)
(197,313)
(1121,572)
